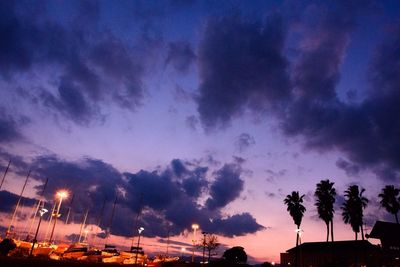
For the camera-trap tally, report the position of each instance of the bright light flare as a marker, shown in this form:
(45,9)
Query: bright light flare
(62,194)
(195,226)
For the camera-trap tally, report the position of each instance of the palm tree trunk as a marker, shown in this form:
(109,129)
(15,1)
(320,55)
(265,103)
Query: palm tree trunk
(362,232)
(355,234)
(296,258)
(327,231)
(397,219)
(332,229)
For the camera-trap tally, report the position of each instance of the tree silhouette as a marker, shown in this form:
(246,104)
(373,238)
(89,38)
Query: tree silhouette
(210,243)
(390,200)
(325,198)
(235,255)
(296,210)
(352,209)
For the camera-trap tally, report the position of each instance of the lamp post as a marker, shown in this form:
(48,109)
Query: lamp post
(204,246)
(61,195)
(194,227)
(86,231)
(42,211)
(299,233)
(140,230)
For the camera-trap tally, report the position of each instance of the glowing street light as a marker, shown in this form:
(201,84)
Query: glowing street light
(140,230)
(61,195)
(195,227)
(42,211)
(299,233)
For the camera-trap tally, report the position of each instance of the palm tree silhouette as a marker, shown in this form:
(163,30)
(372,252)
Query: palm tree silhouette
(390,200)
(296,210)
(325,198)
(353,207)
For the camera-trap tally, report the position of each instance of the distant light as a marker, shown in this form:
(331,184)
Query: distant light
(299,231)
(273,263)
(183,249)
(195,226)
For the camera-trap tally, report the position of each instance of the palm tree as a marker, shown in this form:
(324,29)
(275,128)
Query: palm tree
(390,200)
(296,210)
(353,207)
(325,198)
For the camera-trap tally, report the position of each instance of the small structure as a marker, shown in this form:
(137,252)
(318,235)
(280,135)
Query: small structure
(340,253)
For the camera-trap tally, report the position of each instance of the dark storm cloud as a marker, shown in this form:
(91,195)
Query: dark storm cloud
(89,64)
(153,184)
(316,72)
(178,167)
(180,56)
(244,141)
(235,70)
(238,224)
(348,167)
(17,165)
(8,129)
(227,187)
(195,184)
(89,180)
(9,201)
(327,31)
(241,66)
(167,199)
(182,185)
(71,102)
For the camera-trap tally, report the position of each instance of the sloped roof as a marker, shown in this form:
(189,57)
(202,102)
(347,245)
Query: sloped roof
(385,229)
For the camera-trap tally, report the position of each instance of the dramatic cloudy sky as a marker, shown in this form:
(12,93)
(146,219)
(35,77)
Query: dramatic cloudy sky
(206,112)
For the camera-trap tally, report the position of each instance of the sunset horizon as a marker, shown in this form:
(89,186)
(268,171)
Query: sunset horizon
(162,115)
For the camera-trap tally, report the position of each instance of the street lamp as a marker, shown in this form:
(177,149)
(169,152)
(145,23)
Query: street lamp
(204,246)
(61,195)
(140,230)
(42,211)
(195,227)
(299,233)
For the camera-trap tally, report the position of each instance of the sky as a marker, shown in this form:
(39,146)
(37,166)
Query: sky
(206,112)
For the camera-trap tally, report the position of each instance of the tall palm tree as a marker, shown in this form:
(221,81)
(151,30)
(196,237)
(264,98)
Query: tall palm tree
(325,198)
(390,200)
(353,207)
(296,210)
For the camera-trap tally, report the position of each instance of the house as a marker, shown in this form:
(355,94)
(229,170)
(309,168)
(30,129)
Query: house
(340,253)
(389,235)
